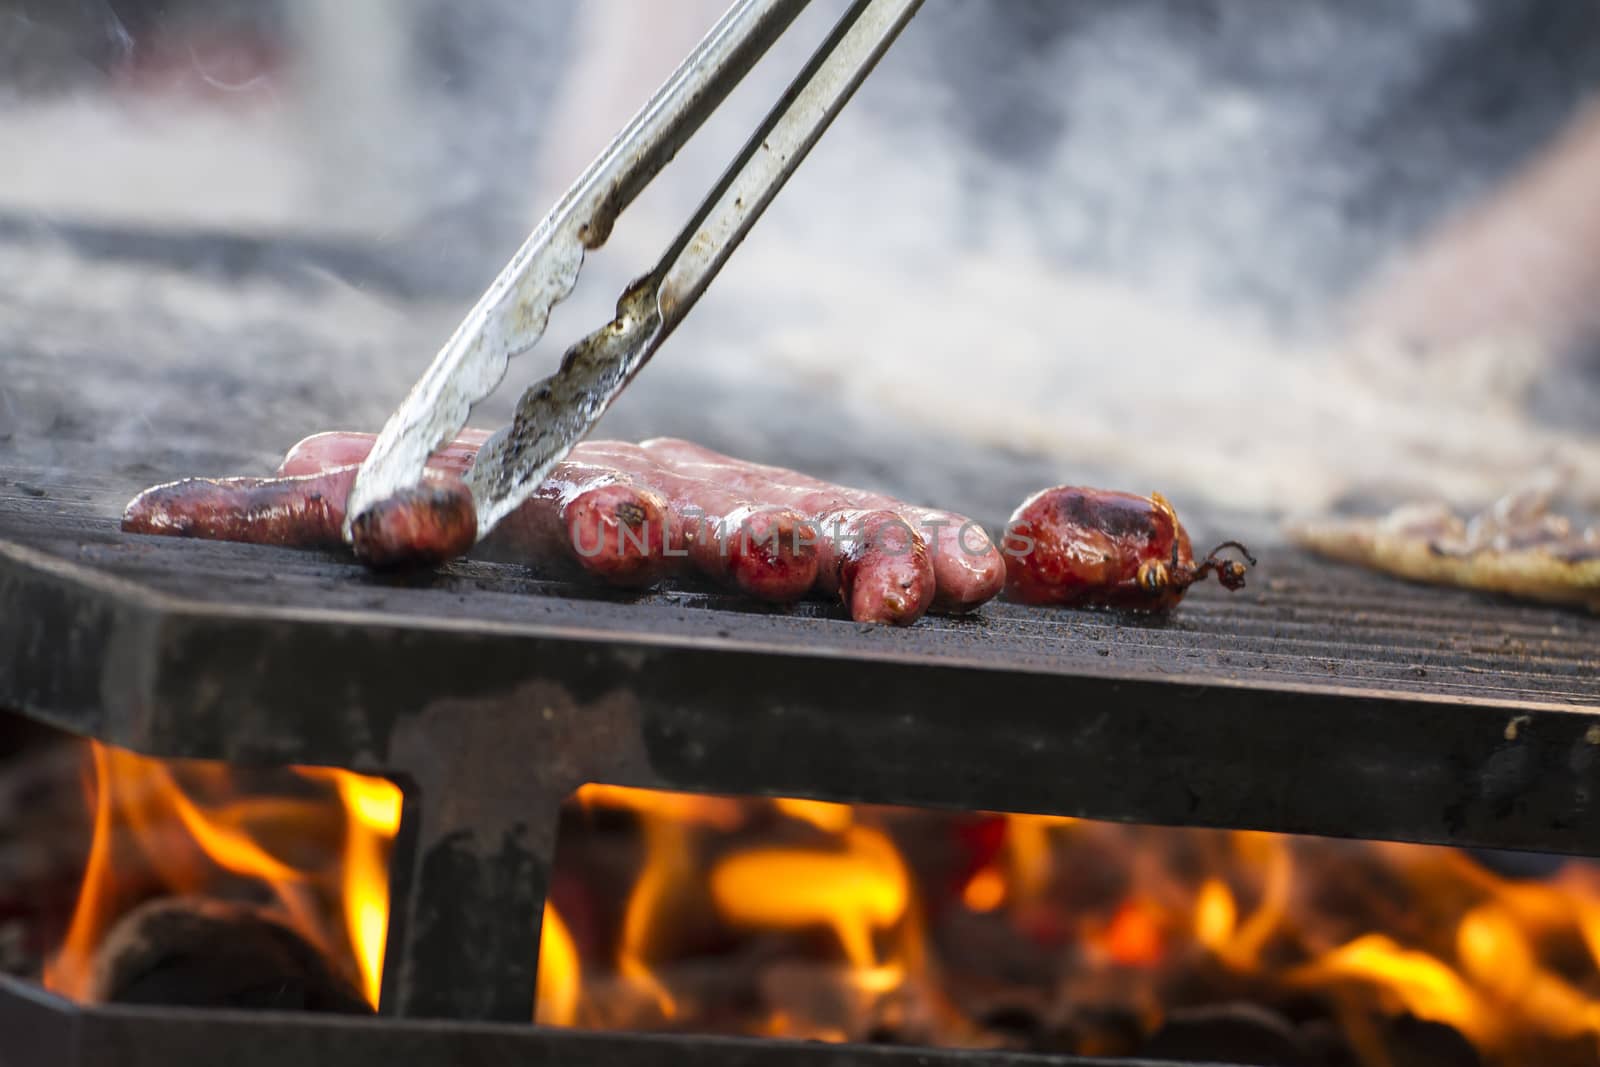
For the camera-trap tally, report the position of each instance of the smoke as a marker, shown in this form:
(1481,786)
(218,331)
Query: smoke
(1123,236)
(1118,237)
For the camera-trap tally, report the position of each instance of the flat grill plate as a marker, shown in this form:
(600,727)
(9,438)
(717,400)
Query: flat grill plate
(1321,699)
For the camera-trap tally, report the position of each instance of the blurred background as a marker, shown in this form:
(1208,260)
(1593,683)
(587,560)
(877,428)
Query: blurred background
(1267,258)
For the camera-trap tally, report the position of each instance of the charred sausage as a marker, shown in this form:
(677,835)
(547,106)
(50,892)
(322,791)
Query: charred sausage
(1081,547)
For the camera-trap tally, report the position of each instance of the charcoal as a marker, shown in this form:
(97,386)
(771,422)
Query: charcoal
(201,953)
(1229,1033)
(1421,1043)
(1092,1030)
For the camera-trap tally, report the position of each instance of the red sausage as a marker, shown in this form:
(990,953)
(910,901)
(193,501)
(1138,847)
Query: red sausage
(771,552)
(1097,548)
(342,448)
(968,569)
(609,526)
(623,527)
(306,511)
(421,526)
(617,531)
(766,551)
(877,564)
(629,514)
(752,526)
(430,523)
(606,512)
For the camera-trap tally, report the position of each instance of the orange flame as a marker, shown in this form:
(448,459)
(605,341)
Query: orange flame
(181,827)
(1115,914)
(855,886)
(1032,849)
(1215,915)
(1028,862)
(1217,925)
(667,871)
(69,971)
(560,977)
(856,891)
(1133,937)
(316,846)
(827,817)
(665,876)
(986,890)
(1415,981)
(372,806)
(1374,931)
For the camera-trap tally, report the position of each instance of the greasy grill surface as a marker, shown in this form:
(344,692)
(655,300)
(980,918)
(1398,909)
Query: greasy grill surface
(1300,623)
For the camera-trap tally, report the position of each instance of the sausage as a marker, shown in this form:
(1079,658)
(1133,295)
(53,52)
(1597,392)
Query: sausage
(587,514)
(614,529)
(752,526)
(768,553)
(344,448)
(430,523)
(622,526)
(877,565)
(630,515)
(968,568)
(1079,547)
(420,526)
(306,511)
(765,550)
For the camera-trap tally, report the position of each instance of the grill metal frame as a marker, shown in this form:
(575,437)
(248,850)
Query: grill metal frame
(492,694)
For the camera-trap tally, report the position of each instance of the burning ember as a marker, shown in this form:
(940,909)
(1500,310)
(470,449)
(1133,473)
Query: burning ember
(802,919)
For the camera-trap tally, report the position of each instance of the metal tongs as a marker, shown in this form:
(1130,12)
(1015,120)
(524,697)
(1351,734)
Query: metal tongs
(556,413)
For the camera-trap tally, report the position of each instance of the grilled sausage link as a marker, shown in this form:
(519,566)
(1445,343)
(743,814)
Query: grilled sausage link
(969,570)
(306,511)
(877,565)
(587,516)
(427,524)
(1079,547)
(766,551)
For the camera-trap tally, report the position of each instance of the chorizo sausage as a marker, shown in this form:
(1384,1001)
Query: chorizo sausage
(1080,547)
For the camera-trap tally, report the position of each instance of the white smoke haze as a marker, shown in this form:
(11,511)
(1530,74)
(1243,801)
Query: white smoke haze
(1123,237)
(1185,343)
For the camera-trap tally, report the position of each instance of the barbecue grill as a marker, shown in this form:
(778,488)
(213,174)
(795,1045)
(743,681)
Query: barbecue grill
(1325,701)
(1322,700)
